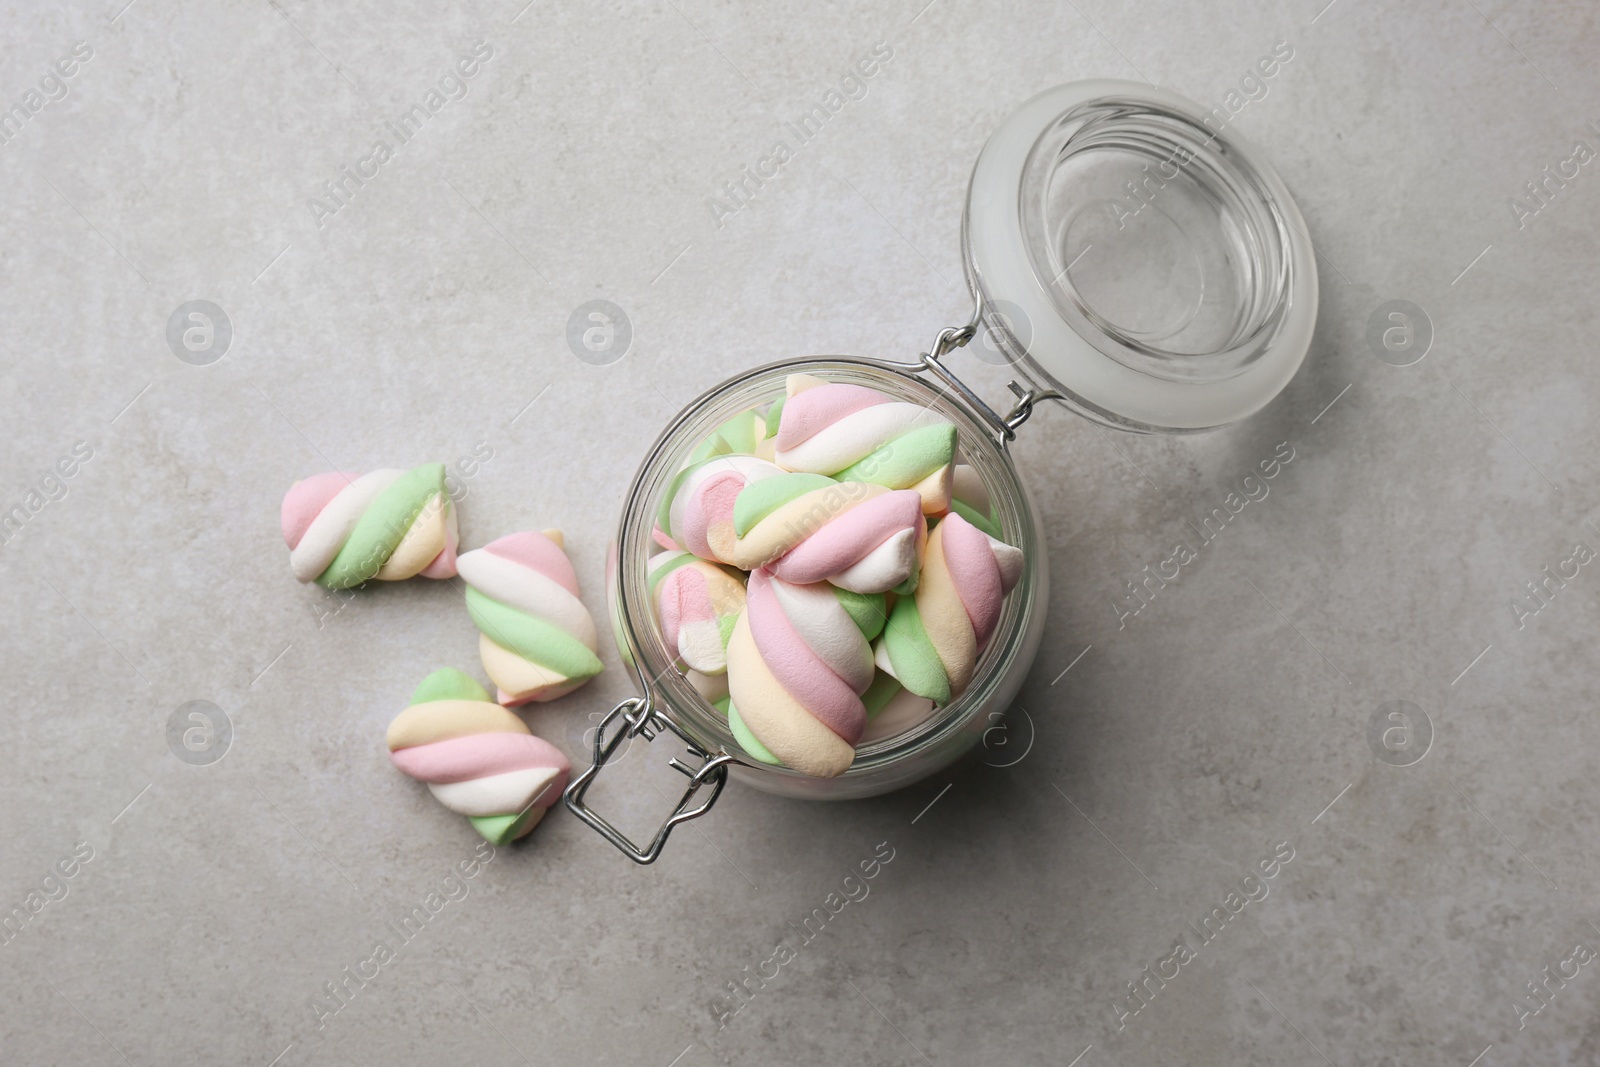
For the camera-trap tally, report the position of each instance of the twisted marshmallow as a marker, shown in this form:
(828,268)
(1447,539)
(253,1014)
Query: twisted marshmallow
(807,528)
(857,434)
(696,511)
(891,709)
(697,603)
(798,663)
(478,759)
(391,524)
(537,640)
(933,639)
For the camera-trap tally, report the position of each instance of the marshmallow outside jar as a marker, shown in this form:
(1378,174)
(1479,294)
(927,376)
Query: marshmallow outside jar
(1130,343)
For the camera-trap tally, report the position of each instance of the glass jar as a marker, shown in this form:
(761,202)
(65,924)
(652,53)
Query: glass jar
(1195,313)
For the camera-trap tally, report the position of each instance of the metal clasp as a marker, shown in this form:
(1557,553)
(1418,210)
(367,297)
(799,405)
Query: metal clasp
(640,719)
(953,337)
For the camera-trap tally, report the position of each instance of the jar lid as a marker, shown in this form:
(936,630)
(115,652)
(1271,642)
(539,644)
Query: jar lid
(1130,252)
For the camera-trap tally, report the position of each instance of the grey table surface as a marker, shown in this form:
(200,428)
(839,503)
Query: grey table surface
(1163,756)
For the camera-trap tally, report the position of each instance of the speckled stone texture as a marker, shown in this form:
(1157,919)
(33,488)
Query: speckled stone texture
(1163,756)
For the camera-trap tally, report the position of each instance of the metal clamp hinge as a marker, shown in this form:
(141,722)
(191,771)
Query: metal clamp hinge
(640,719)
(953,337)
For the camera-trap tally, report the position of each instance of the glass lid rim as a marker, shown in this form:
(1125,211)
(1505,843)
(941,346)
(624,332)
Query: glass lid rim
(999,271)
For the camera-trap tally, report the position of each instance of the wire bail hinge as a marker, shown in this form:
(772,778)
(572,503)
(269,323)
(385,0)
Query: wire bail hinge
(953,337)
(640,719)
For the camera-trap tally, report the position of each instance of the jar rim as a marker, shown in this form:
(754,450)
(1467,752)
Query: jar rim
(638,630)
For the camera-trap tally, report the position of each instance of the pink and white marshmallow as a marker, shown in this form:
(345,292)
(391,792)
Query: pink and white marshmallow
(798,664)
(697,515)
(854,433)
(698,603)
